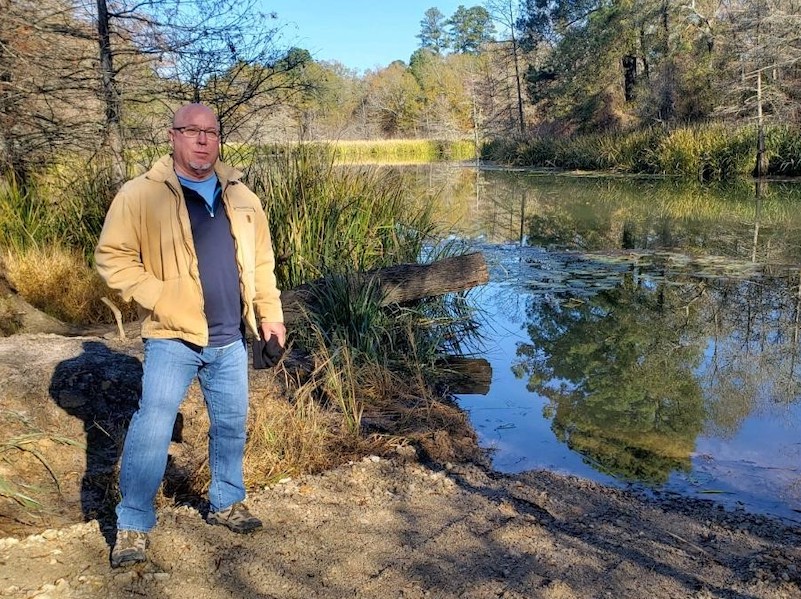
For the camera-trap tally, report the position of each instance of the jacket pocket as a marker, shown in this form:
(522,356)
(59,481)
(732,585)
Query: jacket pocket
(178,311)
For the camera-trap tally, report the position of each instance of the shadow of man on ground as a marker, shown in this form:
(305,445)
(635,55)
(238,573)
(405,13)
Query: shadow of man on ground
(101,387)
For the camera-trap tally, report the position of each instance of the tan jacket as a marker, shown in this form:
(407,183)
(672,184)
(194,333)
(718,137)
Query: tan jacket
(146,252)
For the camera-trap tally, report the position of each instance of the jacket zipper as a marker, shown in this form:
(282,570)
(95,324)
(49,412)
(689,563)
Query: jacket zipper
(239,265)
(194,272)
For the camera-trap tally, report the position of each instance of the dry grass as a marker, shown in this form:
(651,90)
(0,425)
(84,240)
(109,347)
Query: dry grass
(58,281)
(10,319)
(299,425)
(288,438)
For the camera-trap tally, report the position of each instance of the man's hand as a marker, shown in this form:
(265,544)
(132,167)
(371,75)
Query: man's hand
(273,328)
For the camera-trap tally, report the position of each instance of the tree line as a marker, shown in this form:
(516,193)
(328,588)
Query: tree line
(101,77)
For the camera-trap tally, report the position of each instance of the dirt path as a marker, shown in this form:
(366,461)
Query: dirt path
(393,528)
(378,528)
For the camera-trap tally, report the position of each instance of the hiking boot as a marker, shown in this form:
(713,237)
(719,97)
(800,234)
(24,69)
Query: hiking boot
(237,518)
(129,548)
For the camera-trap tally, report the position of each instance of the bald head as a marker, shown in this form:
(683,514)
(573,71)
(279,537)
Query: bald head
(188,111)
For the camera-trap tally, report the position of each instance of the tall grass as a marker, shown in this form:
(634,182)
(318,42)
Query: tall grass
(65,205)
(403,150)
(713,152)
(58,281)
(327,219)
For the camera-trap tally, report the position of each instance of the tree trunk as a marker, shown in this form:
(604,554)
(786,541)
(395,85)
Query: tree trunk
(404,282)
(629,76)
(761,161)
(113,133)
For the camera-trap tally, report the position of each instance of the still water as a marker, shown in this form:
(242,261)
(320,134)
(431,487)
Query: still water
(640,332)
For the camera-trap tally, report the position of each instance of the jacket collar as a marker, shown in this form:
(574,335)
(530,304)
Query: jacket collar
(163,171)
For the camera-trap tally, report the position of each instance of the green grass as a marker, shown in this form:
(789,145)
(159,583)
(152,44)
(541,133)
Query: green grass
(64,205)
(403,150)
(329,219)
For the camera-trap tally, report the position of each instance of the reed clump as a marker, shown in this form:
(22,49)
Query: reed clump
(65,204)
(711,152)
(325,218)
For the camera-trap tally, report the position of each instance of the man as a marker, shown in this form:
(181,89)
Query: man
(190,244)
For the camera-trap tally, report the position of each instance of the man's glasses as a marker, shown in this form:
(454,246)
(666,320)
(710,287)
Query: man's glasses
(212,134)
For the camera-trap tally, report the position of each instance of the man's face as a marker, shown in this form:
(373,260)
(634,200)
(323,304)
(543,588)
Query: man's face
(194,157)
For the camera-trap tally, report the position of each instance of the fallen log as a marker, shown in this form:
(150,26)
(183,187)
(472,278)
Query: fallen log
(402,283)
(398,284)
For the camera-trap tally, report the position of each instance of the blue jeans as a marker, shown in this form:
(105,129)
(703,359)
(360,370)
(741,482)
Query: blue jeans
(169,367)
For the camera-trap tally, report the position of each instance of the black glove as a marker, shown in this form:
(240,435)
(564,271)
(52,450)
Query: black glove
(266,354)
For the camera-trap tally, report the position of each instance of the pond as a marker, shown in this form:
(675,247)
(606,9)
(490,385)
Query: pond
(640,332)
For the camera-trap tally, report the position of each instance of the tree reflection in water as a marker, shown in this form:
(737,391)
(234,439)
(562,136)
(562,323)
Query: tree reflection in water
(617,369)
(648,332)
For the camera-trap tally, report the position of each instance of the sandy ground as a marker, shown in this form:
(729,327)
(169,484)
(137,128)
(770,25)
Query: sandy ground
(394,528)
(379,527)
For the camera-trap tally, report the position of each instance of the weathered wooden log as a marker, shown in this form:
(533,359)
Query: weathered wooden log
(402,283)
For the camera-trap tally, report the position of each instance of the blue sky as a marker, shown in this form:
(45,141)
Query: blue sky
(361,34)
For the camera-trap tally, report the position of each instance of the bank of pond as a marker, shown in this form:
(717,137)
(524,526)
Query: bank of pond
(710,152)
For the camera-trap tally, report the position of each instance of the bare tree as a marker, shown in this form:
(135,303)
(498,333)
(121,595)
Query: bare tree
(227,54)
(48,86)
(506,13)
(761,51)
(91,75)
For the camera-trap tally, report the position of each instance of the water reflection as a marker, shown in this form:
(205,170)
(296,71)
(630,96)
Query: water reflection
(617,366)
(653,328)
